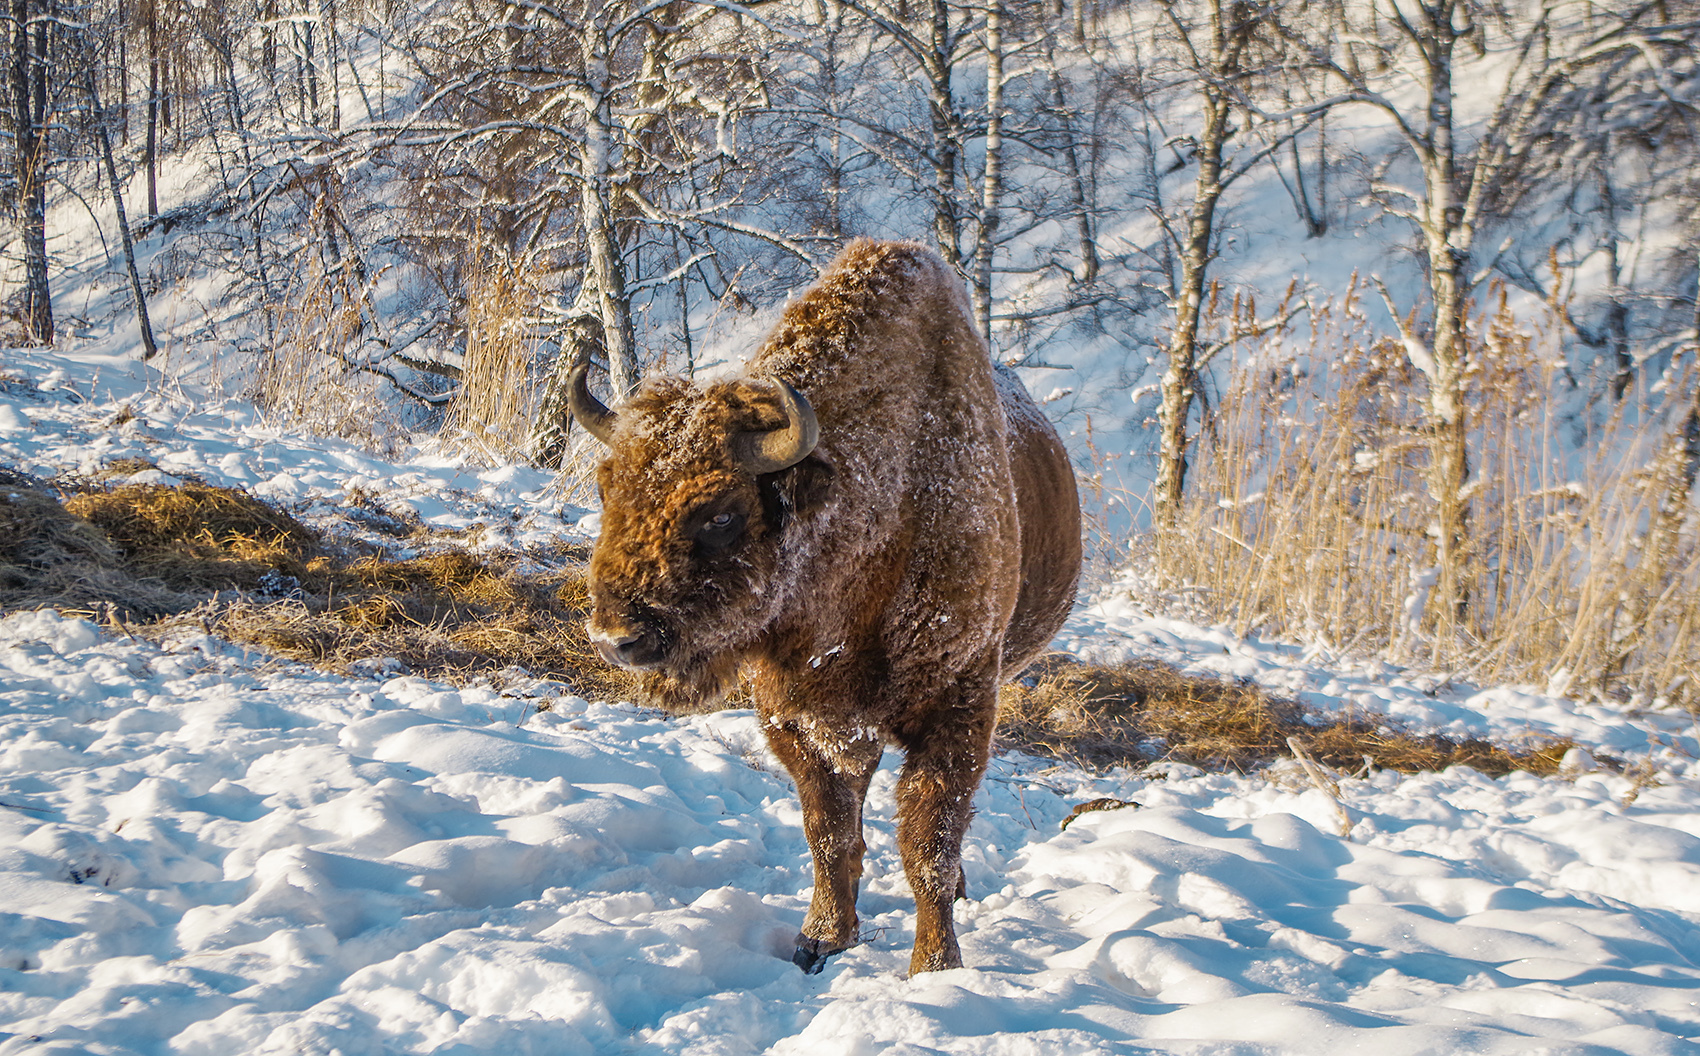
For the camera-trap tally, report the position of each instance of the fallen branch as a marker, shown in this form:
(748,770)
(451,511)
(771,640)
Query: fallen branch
(1325,783)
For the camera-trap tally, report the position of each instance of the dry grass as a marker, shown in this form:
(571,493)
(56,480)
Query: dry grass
(50,556)
(311,377)
(450,614)
(1309,516)
(198,537)
(125,467)
(149,552)
(493,411)
(1138,713)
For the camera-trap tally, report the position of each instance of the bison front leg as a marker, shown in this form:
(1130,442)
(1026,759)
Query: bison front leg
(935,799)
(832,786)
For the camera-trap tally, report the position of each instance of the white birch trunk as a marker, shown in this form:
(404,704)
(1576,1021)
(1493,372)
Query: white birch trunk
(607,268)
(992,190)
(1176,389)
(947,135)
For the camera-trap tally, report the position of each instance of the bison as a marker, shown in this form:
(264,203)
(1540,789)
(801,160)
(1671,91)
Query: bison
(875,525)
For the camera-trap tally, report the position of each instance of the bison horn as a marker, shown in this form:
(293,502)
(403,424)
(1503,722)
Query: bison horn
(586,409)
(772,450)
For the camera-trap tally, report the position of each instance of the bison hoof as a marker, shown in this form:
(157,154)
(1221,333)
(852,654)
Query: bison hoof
(811,954)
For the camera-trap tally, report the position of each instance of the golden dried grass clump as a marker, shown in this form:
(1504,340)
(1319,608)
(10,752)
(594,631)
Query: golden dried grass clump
(148,552)
(448,614)
(1140,712)
(50,556)
(198,537)
(37,532)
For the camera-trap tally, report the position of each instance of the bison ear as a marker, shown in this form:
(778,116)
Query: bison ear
(797,491)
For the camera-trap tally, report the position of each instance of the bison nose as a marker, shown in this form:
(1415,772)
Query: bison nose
(638,650)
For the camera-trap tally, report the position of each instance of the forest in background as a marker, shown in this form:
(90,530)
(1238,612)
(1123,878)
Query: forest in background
(1477,453)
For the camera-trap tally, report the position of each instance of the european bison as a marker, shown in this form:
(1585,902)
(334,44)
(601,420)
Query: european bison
(876,525)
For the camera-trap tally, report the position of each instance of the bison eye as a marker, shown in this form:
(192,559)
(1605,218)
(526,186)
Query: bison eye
(720,531)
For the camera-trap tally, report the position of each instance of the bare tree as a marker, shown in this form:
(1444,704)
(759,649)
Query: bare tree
(609,120)
(1623,164)
(1469,176)
(103,136)
(819,116)
(1228,51)
(31,27)
(934,38)
(991,195)
(971,111)
(1073,149)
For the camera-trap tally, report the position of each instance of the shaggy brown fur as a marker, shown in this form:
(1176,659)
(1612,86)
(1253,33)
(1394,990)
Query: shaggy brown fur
(876,592)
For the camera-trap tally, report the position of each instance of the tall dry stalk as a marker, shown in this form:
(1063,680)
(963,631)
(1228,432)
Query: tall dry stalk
(306,376)
(497,398)
(1311,516)
(1632,632)
(501,392)
(1310,501)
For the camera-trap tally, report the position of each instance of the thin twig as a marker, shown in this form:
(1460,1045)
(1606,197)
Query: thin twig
(32,810)
(1325,783)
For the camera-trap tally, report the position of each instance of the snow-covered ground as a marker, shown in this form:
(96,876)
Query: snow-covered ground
(207,850)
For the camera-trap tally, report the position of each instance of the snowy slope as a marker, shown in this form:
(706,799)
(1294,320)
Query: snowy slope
(206,850)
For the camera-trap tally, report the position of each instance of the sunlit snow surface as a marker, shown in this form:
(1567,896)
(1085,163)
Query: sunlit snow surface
(206,851)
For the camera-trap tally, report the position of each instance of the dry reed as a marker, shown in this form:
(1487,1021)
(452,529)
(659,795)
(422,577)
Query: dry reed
(493,411)
(1309,516)
(312,377)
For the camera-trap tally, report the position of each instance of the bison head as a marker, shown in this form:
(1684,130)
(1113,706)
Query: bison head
(698,490)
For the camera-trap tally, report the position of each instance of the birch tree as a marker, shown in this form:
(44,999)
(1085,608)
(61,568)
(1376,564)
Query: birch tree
(600,112)
(1468,176)
(991,194)
(934,39)
(103,136)
(819,111)
(1623,164)
(1073,149)
(30,29)
(1225,48)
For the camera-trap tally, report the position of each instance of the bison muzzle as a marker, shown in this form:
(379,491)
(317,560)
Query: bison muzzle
(876,526)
